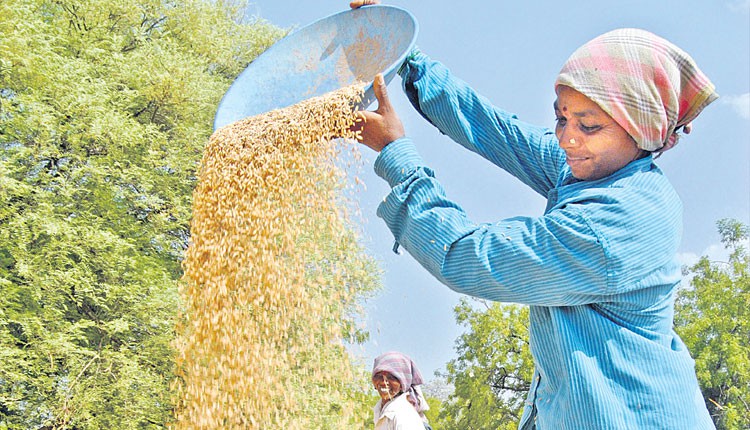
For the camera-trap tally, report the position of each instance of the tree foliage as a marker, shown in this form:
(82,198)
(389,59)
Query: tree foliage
(713,318)
(104,108)
(493,371)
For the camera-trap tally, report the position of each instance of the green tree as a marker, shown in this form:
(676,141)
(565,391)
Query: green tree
(493,371)
(104,109)
(432,414)
(713,319)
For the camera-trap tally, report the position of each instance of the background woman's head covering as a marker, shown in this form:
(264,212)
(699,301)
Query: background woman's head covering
(403,368)
(649,86)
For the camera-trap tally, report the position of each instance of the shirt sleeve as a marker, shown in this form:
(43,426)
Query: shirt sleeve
(553,260)
(528,152)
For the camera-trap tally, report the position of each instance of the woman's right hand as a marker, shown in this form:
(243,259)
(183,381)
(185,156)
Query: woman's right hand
(383,126)
(355,4)
(380,127)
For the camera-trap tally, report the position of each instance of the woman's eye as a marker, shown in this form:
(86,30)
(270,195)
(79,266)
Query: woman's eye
(560,120)
(589,129)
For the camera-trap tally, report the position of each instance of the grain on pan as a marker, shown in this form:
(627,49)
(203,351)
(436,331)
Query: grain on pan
(272,275)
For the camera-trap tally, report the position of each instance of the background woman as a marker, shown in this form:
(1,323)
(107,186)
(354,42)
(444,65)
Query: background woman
(401,405)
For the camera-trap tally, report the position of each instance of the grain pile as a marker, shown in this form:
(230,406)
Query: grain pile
(272,275)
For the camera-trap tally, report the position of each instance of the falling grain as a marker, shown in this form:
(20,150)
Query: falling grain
(271,275)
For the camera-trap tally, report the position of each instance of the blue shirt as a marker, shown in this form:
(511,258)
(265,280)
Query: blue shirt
(598,268)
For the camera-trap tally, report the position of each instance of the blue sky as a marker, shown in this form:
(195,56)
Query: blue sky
(511,52)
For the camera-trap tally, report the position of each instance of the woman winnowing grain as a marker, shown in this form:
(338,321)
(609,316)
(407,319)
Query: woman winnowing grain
(598,269)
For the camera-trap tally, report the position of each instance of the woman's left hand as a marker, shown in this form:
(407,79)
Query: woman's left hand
(355,4)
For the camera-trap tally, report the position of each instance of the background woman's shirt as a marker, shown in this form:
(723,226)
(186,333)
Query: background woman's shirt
(398,414)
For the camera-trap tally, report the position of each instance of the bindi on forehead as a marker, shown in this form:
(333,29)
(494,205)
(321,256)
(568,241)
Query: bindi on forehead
(556,106)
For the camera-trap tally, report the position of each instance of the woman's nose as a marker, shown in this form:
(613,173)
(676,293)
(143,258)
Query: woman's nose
(567,139)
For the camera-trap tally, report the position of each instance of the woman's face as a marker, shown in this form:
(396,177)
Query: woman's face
(595,145)
(386,385)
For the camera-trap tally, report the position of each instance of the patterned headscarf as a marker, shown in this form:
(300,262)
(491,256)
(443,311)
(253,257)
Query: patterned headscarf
(649,86)
(403,368)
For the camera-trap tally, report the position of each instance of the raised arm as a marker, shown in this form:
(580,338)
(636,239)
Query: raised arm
(528,152)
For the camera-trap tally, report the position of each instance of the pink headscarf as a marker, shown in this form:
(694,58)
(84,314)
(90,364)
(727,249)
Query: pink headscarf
(649,86)
(403,368)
